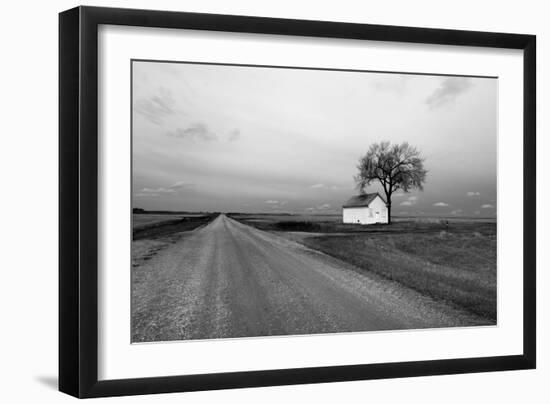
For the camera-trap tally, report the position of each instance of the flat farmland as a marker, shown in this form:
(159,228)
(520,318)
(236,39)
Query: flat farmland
(227,279)
(151,226)
(333,224)
(142,220)
(452,260)
(152,232)
(265,217)
(234,275)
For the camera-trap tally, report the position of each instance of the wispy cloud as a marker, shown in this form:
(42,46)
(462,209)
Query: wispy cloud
(487,206)
(194,132)
(156,107)
(166,191)
(234,135)
(182,185)
(473,193)
(411,200)
(394,83)
(456,212)
(159,190)
(325,186)
(276,205)
(146,194)
(322,207)
(441,204)
(447,92)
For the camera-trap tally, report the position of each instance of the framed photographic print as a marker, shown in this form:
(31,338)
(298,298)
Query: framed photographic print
(250,201)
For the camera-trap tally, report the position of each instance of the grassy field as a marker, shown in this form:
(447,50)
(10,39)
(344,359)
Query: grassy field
(333,224)
(145,220)
(454,262)
(142,220)
(153,233)
(152,226)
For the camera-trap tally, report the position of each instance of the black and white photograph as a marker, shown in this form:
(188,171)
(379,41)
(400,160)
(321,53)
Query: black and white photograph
(273,201)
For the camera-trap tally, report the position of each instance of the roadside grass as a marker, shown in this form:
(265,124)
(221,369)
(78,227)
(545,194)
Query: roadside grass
(168,227)
(142,220)
(459,269)
(333,224)
(297,226)
(151,238)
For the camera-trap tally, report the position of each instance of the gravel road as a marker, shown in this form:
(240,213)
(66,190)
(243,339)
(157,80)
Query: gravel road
(228,279)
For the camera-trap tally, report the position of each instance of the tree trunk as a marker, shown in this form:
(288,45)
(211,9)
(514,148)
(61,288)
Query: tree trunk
(388,205)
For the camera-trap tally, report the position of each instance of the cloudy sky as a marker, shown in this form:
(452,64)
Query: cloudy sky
(250,139)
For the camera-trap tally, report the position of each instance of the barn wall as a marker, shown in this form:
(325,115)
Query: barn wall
(367,215)
(378,205)
(357,215)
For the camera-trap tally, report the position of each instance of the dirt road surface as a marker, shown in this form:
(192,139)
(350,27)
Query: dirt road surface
(229,280)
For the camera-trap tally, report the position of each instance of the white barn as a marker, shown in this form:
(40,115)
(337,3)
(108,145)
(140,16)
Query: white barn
(365,209)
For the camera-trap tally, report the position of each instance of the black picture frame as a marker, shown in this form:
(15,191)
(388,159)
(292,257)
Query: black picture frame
(78,200)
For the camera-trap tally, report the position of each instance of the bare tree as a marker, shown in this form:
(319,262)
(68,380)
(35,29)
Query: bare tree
(397,166)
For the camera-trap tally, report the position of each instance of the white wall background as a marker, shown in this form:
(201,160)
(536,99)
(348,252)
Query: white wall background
(28,167)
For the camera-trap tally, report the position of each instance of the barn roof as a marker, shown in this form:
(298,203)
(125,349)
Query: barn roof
(363,200)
